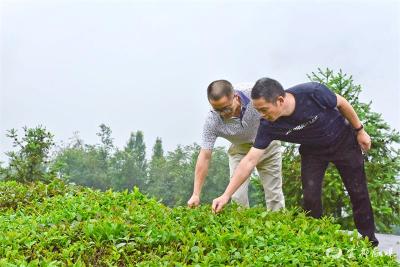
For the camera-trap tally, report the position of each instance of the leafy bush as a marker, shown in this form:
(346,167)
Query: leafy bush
(31,160)
(58,224)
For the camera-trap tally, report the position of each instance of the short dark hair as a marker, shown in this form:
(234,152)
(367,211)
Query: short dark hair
(218,89)
(267,88)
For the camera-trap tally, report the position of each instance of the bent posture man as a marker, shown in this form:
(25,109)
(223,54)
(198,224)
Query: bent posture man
(235,119)
(328,129)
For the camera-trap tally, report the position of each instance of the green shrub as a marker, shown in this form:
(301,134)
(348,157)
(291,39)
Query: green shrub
(30,162)
(58,224)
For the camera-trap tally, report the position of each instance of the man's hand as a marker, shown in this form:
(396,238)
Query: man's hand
(219,203)
(348,112)
(194,201)
(364,140)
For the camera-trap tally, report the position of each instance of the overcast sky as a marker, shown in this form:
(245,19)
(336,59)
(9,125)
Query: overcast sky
(72,65)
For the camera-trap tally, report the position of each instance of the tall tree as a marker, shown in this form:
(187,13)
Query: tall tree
(85,164)
(130,165)
(158,151)
(106,141)
(156,171)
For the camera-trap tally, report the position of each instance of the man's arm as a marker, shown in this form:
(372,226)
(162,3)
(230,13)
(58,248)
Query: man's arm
(240,175)
(203,161)
(348,112)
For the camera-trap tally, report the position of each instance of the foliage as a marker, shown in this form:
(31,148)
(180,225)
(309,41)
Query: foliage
(129,166)
(166,177)
(104,166)
(58,224)
(30,161)
(86,164)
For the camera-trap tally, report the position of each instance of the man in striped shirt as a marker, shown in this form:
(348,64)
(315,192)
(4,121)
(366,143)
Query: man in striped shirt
(234,118)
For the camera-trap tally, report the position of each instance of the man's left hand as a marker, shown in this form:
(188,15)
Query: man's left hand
(364,140)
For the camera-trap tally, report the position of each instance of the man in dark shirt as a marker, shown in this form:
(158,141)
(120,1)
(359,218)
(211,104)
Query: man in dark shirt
(328,129)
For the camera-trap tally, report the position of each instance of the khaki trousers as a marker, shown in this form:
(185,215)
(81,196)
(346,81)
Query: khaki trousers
(269,169)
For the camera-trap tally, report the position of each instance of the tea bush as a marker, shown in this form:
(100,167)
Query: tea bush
(61,224)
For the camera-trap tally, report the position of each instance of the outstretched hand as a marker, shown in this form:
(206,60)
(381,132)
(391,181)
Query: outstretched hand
(219,203)
(194,201)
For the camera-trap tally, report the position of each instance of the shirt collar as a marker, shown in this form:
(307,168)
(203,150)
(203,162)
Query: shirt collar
(244,100)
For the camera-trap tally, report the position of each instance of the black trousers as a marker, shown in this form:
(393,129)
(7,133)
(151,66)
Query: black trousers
(346,155)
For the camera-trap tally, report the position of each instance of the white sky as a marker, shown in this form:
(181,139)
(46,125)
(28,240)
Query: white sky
(72,65)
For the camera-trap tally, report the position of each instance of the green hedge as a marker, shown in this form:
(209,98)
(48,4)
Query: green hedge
(58,224)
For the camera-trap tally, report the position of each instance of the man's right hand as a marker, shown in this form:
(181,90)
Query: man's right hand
(194,201)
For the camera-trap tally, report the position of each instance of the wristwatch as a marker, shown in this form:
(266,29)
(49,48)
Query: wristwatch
(359,128)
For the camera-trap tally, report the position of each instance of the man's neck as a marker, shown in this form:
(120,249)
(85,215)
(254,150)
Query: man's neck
(290,104)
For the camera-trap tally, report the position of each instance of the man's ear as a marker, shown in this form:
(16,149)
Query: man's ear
(280,100)
(236,96)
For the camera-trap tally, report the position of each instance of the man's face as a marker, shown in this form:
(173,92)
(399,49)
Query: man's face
(225,106)
(269,111)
